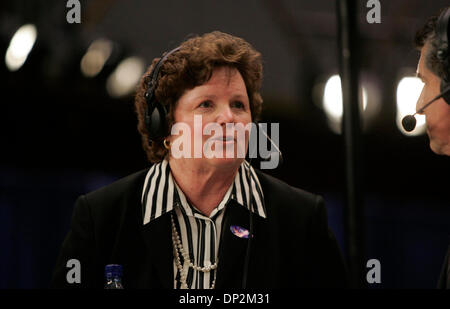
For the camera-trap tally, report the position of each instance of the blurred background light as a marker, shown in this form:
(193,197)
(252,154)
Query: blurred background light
(20,46)
(408,92)
(96,56)
(125,77)
(332,102)
(332,97)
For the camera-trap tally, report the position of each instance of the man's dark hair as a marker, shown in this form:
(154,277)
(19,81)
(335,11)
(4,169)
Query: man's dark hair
(427,34)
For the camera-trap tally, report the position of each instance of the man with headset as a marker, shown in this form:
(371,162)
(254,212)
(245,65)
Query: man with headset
(434,70)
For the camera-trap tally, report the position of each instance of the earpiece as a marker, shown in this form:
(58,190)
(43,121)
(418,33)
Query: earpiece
(155,112)
(443,52)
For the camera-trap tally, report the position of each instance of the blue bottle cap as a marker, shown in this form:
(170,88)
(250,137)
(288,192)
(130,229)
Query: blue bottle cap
(113,270)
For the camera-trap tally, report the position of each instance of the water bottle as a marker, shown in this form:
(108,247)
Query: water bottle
(113,277)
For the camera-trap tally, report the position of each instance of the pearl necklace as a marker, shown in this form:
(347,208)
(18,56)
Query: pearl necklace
(178,246)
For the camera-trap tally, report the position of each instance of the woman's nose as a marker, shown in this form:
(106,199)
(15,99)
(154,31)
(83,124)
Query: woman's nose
(225,115)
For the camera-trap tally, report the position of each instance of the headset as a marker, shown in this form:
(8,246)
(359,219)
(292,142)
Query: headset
(442,54)
(155,112)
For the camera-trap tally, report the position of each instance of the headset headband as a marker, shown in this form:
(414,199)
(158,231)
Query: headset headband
(154,75)
(442,26)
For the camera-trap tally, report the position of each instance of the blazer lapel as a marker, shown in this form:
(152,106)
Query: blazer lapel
(158,241)
(232,248)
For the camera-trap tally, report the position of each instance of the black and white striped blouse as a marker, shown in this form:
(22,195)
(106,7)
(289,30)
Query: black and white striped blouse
(200,235)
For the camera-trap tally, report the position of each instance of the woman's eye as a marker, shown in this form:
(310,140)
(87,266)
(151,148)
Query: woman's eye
(238,104)
(205,104)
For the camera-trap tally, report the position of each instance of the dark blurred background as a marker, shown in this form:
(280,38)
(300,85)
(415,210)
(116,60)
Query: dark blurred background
(68,127)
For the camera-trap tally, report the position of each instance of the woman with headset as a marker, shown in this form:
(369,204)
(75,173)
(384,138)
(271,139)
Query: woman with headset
(207,220)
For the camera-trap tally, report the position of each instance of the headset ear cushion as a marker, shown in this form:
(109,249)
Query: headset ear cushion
(155,119)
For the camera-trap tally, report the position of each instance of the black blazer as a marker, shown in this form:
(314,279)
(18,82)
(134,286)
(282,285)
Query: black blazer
(292,247)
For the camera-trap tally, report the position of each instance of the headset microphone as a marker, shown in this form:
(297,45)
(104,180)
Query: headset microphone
(409,121)
(251,228)
(273,153)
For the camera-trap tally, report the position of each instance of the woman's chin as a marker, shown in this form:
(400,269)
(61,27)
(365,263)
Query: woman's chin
(224,161)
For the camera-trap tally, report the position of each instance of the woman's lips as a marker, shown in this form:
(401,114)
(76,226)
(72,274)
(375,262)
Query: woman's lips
(227,139)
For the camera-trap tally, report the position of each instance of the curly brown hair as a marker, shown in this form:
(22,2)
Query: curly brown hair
(192,65)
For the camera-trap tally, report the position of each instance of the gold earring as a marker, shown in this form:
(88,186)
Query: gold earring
(166,144)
